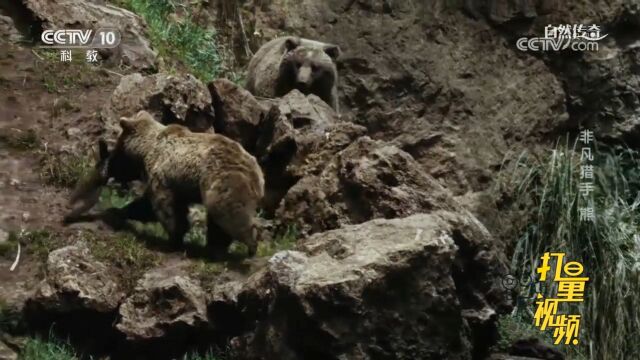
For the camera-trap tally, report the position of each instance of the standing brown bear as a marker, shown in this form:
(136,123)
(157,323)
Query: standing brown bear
(288,63)
(181,168)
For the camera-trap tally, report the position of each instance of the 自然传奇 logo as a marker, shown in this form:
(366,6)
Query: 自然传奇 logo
(577,37)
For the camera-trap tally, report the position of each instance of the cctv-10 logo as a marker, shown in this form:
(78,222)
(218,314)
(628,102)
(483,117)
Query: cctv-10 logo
(76,38)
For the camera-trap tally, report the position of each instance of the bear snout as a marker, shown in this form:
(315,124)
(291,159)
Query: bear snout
(304,76)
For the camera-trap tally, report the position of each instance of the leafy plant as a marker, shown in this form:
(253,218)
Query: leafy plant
(113,196)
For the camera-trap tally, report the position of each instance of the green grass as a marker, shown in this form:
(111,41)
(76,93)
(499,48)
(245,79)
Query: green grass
(37,348)
(208,356)
(64,169)
(51,349)
(180,43)
(207,273)
(38,243)
(606,247)
(62,77)
(125,252)
(284,240)
(20,139)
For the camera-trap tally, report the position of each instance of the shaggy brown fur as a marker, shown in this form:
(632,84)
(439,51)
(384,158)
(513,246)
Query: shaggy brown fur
(288,63)
(181,168)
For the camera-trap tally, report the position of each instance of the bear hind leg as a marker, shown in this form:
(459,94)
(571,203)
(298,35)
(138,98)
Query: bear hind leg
(231,208)
(239,225)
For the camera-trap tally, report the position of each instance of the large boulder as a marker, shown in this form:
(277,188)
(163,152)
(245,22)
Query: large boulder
(8,29)
(422,287)
(238,113)
(134,49)
(76,282)
(368,179)
(298,137)
(6,353)
(164,309)
(79,295)
(180,99)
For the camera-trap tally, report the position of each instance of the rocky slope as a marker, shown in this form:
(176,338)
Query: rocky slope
(401,247)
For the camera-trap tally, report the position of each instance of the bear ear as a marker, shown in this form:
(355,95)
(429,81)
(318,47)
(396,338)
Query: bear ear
(333,51)
(103,150)
(126,125)
(143,114)
(291,43)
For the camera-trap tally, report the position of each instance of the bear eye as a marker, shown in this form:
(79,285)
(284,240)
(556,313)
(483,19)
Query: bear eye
(314,68)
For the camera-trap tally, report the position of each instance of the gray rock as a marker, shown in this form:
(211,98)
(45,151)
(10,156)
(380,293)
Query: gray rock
(369,179)
(163,307)
(535,348)
(402,288)
(180,99)
(6,353)
(134,49)
(299,136)
(8,29)
(75,281)
(238,113)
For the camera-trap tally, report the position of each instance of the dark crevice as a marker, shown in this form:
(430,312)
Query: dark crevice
(25,21)
(89,332)
(467,276)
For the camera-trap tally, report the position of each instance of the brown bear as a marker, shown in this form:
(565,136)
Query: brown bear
(181,168)
(288,63)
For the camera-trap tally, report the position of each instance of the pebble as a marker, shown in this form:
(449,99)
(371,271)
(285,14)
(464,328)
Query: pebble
(73,131)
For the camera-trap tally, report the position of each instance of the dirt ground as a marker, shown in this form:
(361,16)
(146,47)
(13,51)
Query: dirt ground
(49,107)
(45,105)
